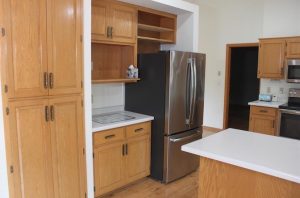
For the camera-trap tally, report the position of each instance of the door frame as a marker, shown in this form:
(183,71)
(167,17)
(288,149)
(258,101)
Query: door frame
(229,48)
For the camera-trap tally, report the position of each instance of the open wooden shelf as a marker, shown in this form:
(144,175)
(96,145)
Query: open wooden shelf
(155,39)
(154,28)
(121,80)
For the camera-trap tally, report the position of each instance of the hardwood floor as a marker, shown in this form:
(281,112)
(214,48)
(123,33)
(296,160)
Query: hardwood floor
(186,187)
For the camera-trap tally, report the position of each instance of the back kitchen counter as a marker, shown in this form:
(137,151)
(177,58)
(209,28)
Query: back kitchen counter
(236,163)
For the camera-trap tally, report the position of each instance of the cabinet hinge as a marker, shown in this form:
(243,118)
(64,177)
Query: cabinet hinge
(82,103)
(93,155)
(84,195)
(81,38)
(2,32)
(7,111)
(11,169)
(5,88)
(83,151)
(94,188)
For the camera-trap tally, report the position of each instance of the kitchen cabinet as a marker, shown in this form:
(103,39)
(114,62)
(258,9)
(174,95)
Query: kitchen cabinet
(271,58)
(293,47)
(263,120)
(43,47)
(121,156)
(113,22)
(47,143)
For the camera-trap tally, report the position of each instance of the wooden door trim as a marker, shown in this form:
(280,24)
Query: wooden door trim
(227,77)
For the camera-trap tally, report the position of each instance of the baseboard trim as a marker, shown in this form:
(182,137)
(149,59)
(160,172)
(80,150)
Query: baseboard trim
(212,129)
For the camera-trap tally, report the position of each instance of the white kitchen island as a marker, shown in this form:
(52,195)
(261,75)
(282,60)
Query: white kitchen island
(235,163)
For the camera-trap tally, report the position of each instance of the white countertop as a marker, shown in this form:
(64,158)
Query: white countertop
(139,118)
(271,155)
(266,104)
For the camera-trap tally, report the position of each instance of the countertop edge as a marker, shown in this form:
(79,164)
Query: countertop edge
(242,164)
(122,124)
(266,104)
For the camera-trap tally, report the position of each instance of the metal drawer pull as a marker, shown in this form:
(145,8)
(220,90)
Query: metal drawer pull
(52,113)
(45,80)
(46,113)
(138,130)
(263,111)
(126,149)
(123,149)
(109,136)
(51,78)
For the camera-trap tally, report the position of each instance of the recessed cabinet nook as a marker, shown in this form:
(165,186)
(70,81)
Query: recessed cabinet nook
(41,58)
(119,32)
(273,53)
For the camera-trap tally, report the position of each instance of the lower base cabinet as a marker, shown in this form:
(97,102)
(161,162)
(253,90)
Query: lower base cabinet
(47,147)
(121,156)
(263,120)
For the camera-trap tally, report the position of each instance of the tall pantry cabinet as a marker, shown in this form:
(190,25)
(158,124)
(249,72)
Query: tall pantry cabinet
(41,75)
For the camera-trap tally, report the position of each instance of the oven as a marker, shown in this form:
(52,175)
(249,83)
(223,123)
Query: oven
(293,71)
(289,123)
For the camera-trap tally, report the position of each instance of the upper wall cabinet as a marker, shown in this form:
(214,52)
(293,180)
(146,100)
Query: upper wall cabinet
(271,58)
(43,47)
(273,53)
(293,48)
(113,22)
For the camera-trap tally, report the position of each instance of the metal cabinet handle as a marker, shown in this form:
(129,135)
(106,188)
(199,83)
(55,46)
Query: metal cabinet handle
(123,149)
(46,80)
(109,136)
(111,32)
(108,32)
(273,124)
(46,113)
(52,113)
(138,130)
(126,149)
(51,78)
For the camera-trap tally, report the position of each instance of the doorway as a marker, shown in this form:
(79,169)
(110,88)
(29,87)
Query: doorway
(242,84)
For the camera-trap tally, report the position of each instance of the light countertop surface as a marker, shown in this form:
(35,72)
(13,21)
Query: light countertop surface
(138,118)
(266,104)
(271,155)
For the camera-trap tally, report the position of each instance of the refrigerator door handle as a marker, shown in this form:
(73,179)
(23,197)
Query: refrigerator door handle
(194,88)
(189,92)
(185,138)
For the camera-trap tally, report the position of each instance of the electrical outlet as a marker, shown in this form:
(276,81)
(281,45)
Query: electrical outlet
(281,90)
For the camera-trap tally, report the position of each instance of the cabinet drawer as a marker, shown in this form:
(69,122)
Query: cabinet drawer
(263,111)
(109,136)
(138,129)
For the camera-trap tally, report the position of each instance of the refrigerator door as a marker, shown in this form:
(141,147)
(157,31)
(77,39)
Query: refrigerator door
(185,86)
(178,163)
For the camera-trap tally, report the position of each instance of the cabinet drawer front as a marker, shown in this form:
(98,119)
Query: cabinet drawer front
(109,136)
(138,129)
(263,111)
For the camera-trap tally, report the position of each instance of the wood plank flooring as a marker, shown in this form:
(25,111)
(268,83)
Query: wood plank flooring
(186,187)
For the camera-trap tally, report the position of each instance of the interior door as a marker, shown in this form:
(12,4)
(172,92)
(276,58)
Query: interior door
(67,140)
(138,158)
(100,19)
(123,20)
(65,46)
(26,47)
(31,146)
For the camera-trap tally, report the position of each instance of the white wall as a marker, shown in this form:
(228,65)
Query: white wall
(238,21)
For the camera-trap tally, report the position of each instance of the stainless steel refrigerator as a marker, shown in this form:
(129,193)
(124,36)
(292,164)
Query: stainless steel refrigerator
(172,90)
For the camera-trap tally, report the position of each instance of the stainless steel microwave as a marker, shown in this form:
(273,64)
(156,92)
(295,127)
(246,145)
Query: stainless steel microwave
(293,71)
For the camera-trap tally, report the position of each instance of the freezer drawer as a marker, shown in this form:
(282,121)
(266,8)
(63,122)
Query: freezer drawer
(178,163)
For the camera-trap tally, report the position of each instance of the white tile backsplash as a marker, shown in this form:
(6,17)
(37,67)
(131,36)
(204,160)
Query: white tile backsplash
(108,95)
(278,88)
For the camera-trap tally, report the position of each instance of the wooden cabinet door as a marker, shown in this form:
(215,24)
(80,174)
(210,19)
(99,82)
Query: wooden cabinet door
(262,124)
(271,58)
(67,141)
(293,48)
(123,20)
(64,46)
(31,149)
(138,158)
(109,163)
(100,20)
(26,47)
